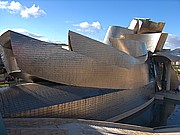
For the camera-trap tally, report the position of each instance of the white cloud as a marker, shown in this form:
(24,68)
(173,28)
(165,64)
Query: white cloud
(33,11)
(172,42)
(96,25)
(15,7)
(31,34)
(83,25)
(86,27)
(3,4)
(25,12)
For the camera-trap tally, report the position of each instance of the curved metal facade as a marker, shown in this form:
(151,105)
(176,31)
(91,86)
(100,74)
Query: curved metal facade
(102,68)
(116,32)
(154,41)
(53,100)
(131,47)
(91,77)
(144,25)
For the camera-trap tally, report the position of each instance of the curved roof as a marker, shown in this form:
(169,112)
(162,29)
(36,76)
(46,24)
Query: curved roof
(171,57)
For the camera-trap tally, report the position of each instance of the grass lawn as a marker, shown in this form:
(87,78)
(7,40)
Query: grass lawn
(4,84)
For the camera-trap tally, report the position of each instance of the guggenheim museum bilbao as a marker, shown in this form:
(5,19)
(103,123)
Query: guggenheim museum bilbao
(91,79)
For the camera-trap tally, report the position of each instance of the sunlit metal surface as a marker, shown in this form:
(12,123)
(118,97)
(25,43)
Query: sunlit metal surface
(131,47)
(161,42)
(100,52)
(54,100)
(116,32)
(88,77)
(58,65)
(171,57)
(153,40)
(134,25)
(33,95)
(151,27)
(144,25)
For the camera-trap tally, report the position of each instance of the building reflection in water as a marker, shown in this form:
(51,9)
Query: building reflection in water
(159,113)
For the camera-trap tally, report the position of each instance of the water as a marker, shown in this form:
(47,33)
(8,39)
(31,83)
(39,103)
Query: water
(159,113)
(2,127)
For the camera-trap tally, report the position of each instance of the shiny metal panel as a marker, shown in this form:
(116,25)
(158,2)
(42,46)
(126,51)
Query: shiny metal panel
(174,82)
(7,54)
(53,100)
(67,67)
(116,32)
(33,95)
(131,47)
(151,27)
(152,40)
(144,25)
(100,52)
(134,25)
(97,77)
(171,57)
(161,42)
(9,60)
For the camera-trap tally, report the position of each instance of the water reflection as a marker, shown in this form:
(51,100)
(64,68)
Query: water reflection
(159,113)
(2,127)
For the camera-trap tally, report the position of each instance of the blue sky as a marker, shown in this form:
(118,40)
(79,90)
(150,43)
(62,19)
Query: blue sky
(51,20)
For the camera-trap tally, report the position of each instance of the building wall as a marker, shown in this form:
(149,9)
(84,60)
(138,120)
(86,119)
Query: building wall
(99,107)
(92,69)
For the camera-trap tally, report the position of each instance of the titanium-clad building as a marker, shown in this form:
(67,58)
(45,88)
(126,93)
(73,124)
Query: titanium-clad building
(93,80)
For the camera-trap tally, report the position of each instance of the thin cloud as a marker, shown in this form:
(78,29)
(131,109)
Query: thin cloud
(86,27)
(68,21)
(31,34)
(24,32)
(27,33)
(172,42)
(18,8)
